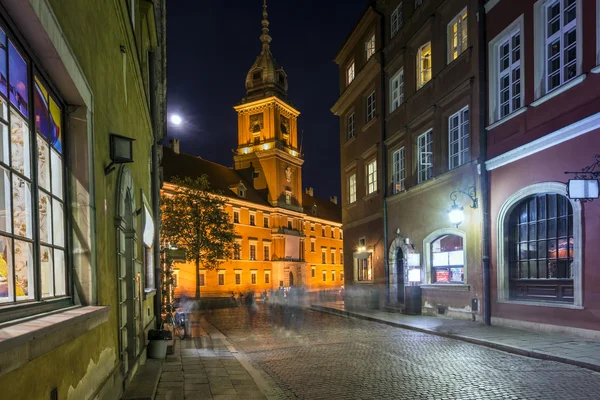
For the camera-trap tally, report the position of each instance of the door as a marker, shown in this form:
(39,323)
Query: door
(291,279)
(400,274)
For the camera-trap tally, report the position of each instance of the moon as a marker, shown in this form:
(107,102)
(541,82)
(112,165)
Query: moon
(176,119)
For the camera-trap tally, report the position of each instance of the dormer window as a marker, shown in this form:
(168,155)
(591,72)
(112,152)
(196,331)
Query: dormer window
(257,75)
(281,78)
(241,193)
(239,189)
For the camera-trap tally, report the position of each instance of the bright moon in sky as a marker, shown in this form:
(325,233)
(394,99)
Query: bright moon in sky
(176,119)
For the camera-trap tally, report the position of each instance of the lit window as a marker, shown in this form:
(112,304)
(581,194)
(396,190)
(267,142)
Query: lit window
(267,276)
(509,74)
(238,277)
(457,35)
(372,177)
(252,219)
(424,65)
(350,126)
(323,256)
(350,73)
(252,252)
(312,246)
(561,42)
(447,260)
(288,197)
(371,107)
(458,138)
(396,90)
(202,279)
(352,188)
(396,20)
(266,255)
(221,275)
(425,152)
(370,47)
(253,277)
(236,217)
(398,170)
(365,268)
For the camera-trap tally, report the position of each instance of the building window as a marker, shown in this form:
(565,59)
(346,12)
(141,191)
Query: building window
(341,256)
(398,170)
(238,277)
(458,138)
(237,251)
(342,276)
(350,73)
(313,271)
(333,256)
(267,276)
(289,224)
(447,260)
(425,152)
(509,74)
(324,276)
(236,217)
(253,277)
(370,47)
(312,246)
(396,20)
(267,250)
(221,275)
(288,197)
(424,65)
(175,275)
(332,233)
(560,18)
(371,106)
(352,188)
(323,231)
(242,192)
(541,249)
(28,147)
(312,227)
(372,176)
(457,35)
(252,220)
(323,256)
(365,268)
(350,126)
(253,252)
(332,276)
(202,278)
(266,222)
(396,90)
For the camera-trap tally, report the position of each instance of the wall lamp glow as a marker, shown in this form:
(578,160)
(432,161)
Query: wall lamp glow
(456,213)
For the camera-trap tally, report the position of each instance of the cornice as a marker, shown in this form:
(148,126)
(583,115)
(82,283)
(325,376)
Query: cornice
(273,101)
(357,33)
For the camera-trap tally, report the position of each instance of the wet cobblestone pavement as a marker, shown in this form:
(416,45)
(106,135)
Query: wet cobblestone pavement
(313,355)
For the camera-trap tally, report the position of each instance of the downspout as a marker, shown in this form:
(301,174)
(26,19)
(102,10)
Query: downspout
(384,184)
(485,198)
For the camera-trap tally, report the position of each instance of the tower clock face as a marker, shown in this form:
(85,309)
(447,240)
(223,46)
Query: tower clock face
(285,125)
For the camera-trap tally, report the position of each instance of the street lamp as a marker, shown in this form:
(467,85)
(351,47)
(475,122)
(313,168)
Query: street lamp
(456,213)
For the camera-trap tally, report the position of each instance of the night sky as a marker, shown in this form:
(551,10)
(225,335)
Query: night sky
(211,47)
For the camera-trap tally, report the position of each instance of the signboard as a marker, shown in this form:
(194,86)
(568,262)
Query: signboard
(413,260)
(442,275)
(456,274)
(414,275)
(583,189)
(456,257)
(176,254)
(440,259)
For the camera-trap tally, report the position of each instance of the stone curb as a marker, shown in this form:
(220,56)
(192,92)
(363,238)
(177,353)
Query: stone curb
(494,345)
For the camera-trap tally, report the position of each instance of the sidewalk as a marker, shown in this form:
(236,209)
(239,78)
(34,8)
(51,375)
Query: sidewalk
(569,350)
(208,367)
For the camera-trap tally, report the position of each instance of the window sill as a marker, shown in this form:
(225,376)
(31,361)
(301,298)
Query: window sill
(560,90)
(452,287)
(506,118)
(351,140)
(370,123)
(595,70)
(541,304)
(370,195)
(40,335)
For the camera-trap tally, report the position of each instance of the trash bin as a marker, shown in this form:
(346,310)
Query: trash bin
(412,300)
(158,343)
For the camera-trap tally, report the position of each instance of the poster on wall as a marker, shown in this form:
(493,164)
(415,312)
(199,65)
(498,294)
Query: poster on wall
(413,260)
(442,275)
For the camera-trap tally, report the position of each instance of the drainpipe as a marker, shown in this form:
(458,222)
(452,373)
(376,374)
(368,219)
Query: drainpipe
(384,184)
(485,198)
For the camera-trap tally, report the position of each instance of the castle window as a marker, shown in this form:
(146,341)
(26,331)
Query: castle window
(256,75)
(281,78)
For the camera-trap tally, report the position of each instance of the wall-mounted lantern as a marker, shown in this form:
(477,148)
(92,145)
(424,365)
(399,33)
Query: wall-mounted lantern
(456,213)
(121,151)
(584,186)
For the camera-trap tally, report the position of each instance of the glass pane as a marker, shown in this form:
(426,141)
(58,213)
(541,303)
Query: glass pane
(3,108)
(562,226)
(24,280)
(57,175)
(563,249)
(523,270)
(59,223)
(563,269)
(23,213)
(542,270)
(551,206)
(551,228)
(40,101)
(20,151)
(6,270)
(522,233)
(532,255)
(532,232)
(523,251)
(523,213)
(55,126)
(562,206)
(514,271)
(4,147)
(43,163)
(17,69)
(542,207)
(552,269)
(46,272)
(533,269)
(542,230)
(532,210)
(541,249)
(3,74)
(551,248)
(45,212)
(5,196)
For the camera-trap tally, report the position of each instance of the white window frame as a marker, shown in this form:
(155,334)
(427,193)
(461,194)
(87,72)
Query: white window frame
(396,20)
(396,90)
(350,126)
(427,253)
(495,112)
(266,251)
(251,246)
(352,188)
(313,271)
(513,68)
(253,277)
(350,73)
(371,270)
(398,170)
(425,149)
(422,77)
(371,174)
(371,106)
(252,219)
(457,41)
(462,124)
(266,219)
(333,256)
(370,47)
(236,220)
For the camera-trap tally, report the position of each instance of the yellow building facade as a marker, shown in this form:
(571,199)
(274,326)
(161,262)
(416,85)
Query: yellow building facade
(285,236)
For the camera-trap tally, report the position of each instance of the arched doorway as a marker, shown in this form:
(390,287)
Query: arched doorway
(397,254)
(291,279)
(399,265)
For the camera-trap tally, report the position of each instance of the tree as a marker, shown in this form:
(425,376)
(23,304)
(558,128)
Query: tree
(194,218)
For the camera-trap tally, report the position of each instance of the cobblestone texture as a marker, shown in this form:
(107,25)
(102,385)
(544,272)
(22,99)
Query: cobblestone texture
(320,356)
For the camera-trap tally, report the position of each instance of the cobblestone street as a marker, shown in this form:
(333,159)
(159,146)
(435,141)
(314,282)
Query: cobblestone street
(321,356)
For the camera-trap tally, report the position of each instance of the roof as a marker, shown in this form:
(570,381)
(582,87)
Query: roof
(325,209)
(221,178)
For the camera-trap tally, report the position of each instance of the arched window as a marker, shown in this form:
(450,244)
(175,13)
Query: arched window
(541,249)
(447,260)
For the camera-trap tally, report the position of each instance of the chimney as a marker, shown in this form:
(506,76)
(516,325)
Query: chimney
(333,199)
(174,144)
(310,191)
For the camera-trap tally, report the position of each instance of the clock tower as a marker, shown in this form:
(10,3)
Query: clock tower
(267,130)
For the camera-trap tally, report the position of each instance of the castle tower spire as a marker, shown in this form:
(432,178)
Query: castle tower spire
(265,38)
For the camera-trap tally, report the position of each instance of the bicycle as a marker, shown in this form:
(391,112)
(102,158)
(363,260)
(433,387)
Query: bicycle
(175,322)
